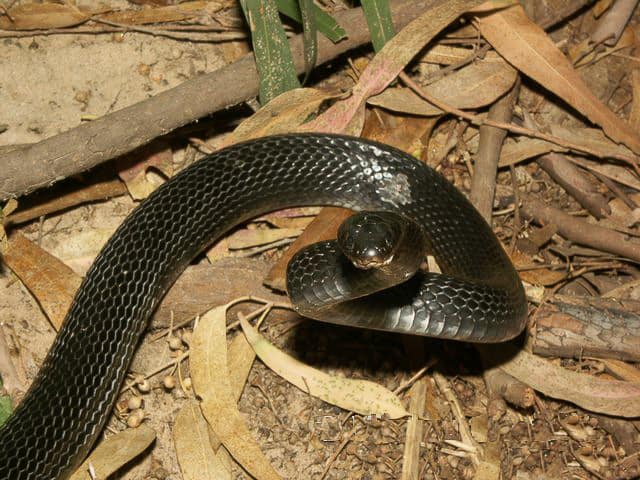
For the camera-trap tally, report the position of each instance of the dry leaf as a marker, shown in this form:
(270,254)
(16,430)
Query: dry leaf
(36,16)
(516,152)
(198,460)
(136,176)
(95,191)
(10,206)
(50,281)
(590,137)
(281,115)
(528,48)
(211,381)
(538,276)
(360,396)
(621,369)
(475,85)
(347,116)
(114,452)
(611,397)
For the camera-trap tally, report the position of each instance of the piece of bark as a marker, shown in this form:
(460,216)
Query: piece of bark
(202,287)
(575,182)
(323,227)
(580,231)
(575,327)
(27,168)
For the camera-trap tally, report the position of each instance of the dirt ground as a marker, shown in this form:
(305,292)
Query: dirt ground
(49,84)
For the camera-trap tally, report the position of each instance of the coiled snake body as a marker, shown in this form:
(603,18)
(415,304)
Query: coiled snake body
(478,298)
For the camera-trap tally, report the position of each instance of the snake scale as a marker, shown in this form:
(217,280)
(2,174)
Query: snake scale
(478,297)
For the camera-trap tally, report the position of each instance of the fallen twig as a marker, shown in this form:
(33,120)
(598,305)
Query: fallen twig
(579,230)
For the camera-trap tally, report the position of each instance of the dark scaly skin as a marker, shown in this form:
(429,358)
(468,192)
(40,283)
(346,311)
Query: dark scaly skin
(480,299)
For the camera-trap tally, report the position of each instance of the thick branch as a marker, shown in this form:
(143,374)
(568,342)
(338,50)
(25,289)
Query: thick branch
(30,167)
(576,327)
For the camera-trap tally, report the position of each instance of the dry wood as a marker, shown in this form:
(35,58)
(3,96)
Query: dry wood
(411,459)
(482,194)
(580,231)
(575,182)
(30,167)
(483,183)
(499,383)
(574,327)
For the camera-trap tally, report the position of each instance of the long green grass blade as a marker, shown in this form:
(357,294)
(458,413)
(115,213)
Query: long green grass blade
(378,16)
(271,49)
(309,36)
(326,24)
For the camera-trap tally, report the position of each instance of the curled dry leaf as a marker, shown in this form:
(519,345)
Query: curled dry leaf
(611,397)
(211,381)
(114,452)
(360,396)
(198,459)
(476,85)
(139,184)
(528,48)
(34,16)
(348,116)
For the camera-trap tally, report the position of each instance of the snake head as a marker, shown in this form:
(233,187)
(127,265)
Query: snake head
(370,239)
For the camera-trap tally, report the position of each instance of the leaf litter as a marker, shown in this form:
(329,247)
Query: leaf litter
(577,381)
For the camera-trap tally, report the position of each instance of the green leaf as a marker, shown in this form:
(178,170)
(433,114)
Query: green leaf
(310,37)
(378,15)
(6,408)
(326,24)
(271,49)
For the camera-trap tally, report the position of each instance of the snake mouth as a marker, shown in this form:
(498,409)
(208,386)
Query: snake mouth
(369,262)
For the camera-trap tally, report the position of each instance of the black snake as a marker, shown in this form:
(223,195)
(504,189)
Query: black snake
(478,297)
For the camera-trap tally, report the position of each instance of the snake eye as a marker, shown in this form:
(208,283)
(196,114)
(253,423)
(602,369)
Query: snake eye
(369,240)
